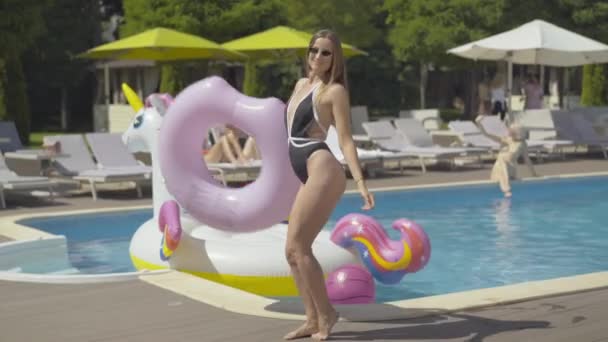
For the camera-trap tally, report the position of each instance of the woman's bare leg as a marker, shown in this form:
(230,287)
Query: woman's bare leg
(311,325)
(504,182)
(215,154)
(249,150)
(313,205)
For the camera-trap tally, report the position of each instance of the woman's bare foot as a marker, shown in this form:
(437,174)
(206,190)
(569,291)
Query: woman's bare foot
(307,329)
(325,327)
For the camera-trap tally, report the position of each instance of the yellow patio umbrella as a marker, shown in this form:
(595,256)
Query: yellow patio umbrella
(158,44)
(279,42)
(162,44)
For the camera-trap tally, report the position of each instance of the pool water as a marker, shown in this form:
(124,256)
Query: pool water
(549,229)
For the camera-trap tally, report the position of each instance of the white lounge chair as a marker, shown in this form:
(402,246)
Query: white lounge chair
(9,180)
(370,160)
(471,135)
(588,135)
(538,122)
(9,138)
(225,171)
(415,134)
(387,137)
(358,115)
(110,152)
(76,162)
(493,125)
(429,118)
(16,153)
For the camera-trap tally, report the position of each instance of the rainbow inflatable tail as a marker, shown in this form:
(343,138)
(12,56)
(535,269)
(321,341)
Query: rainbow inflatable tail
(170,225)
(387,260)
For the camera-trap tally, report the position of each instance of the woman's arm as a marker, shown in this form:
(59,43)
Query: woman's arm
(483,130)
(341,112)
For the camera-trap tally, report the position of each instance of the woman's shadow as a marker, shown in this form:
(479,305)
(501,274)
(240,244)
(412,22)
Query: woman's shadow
(440,327)
(422,324)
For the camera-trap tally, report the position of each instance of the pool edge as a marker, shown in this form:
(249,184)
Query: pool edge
(242,302)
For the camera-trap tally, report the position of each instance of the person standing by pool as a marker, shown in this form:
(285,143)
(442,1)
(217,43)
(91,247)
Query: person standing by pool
(513,146)
(318,101)
(498,97)
(533,94)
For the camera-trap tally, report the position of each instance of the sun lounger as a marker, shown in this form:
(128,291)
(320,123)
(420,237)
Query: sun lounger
(358,115)
(429,118)
(538,122)
(20,157)
(110,152)
(225,171)
(415,134)
(76,162)
(472,136)
(9,180)
(9,139)
(588,135)
(370,160)
(387,137)
(493,125)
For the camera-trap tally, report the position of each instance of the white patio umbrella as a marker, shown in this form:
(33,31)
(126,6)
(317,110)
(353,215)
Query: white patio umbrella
(536,42)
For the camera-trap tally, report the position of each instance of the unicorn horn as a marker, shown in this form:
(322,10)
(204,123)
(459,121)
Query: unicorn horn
(132,97)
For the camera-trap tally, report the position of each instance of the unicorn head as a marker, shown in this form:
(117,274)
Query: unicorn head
(142,134)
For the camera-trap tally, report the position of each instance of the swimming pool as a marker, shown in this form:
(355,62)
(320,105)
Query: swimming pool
(551,228)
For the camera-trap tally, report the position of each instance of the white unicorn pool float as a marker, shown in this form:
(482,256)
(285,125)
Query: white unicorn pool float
(246,249)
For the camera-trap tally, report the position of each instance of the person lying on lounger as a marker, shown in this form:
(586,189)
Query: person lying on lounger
(228,149)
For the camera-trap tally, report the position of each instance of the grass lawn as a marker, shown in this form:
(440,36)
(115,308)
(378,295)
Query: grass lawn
(36,138)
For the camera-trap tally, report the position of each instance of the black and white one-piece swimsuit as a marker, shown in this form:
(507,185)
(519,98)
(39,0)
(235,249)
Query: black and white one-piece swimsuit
(301,145)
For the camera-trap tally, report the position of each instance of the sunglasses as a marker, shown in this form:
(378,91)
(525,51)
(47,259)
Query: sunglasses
(314,51)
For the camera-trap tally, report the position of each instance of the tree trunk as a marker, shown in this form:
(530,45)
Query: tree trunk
(424,77)
(64,109)
(472,98)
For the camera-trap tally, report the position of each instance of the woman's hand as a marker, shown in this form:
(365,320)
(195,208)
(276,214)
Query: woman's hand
(368,197)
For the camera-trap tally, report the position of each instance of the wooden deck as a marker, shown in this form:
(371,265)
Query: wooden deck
(137,311)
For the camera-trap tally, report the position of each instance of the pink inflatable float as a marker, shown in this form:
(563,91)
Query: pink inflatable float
(351,284)
(388,260)
(202,105)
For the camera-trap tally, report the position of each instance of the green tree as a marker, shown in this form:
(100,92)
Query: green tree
(20,23)
(3,85)
(594,85)
(217,20)
(588,17)
(353,20)
(50,64)
(591,19)
(361,23)
(587,92)
(423,30)
(251,85)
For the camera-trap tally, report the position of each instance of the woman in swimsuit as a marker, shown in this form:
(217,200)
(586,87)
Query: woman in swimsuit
(316,103)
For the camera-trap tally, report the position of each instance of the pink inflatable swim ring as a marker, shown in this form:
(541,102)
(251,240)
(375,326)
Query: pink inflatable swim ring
(199,107)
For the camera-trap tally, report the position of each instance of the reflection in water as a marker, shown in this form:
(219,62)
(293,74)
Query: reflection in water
(508,244)
(505,227)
